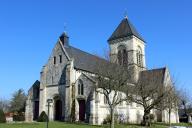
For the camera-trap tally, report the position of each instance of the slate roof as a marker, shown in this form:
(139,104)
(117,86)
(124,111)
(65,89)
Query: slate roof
(85,61)
(125,29)
(35,84)
(154,75)
(88,62)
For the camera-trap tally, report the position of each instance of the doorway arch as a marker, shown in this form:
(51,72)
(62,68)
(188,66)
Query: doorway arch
(58,108)
(82,110)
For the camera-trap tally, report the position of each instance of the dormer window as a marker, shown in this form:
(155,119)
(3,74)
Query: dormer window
(80,88)
(122,56)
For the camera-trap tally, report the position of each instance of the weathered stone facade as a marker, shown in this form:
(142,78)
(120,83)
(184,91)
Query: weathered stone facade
(67,80)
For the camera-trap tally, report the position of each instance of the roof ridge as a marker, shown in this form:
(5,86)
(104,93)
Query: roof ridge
(86,61)
(162,68)
(89,53)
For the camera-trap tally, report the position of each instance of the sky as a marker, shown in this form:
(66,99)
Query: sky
(29,29)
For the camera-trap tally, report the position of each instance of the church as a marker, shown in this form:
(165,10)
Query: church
(67,79)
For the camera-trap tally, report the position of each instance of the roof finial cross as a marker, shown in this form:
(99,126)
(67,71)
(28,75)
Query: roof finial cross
(125,14)
(65,27)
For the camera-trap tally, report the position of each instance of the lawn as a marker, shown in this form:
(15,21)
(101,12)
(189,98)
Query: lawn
(43,125)
(67,125)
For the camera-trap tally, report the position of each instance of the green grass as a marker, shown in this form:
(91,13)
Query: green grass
(43,125)
(68,125)
(183,124)
(175,124)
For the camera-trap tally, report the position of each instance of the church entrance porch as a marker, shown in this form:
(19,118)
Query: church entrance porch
(58,109)
(81,110)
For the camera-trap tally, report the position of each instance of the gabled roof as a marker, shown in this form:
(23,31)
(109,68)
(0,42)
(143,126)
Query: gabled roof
(154,75)
(85,61)
(125,29)
(36,84)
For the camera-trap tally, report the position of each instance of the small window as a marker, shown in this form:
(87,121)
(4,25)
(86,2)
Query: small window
(105,100)
(80,88)
(60,58)
(54,60)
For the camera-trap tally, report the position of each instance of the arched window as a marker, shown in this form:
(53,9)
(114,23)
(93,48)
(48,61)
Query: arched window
(139,57)
(105,100)
(125,57)
(80,88)
(119,57)
(122,56)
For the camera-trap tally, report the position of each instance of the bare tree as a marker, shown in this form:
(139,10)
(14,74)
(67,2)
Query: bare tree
(111,81)
(171,102)
(184,101)
(149,92)
(4,105)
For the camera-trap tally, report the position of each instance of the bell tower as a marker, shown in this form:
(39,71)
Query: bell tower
(127,48)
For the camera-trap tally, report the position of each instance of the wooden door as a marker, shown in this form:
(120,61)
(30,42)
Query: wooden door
(58,110)
(81,110)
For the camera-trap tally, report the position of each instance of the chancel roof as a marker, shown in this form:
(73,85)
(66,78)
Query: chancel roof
(156,76)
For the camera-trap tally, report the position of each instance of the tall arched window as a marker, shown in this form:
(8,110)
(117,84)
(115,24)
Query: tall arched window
(139,57)
(125,57)
(122,56)
(80,88)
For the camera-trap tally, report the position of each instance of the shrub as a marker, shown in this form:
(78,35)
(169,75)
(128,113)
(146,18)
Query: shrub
(2,116)
(19,117)
(152,116)
(116,118)
(107,120)
(43,117)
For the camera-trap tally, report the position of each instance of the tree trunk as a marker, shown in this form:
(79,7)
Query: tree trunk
(112,118)
(146,118)
(169,116)
(185,108)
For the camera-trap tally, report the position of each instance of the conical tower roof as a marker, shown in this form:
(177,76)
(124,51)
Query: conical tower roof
(125,29)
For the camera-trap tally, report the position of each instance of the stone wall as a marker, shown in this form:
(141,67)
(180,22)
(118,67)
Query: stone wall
(29,107)
(53,75)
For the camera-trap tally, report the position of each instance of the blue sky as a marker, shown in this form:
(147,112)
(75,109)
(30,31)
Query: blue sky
(29,30)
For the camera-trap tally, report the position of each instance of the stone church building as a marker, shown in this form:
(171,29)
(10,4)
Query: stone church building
(67,79)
